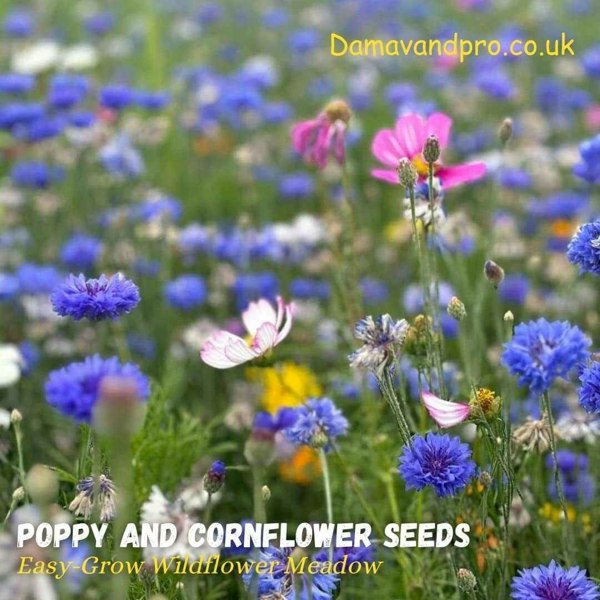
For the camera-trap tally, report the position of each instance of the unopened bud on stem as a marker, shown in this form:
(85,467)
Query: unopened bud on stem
(431,149)
(493,272)
(505,131)
(407,173)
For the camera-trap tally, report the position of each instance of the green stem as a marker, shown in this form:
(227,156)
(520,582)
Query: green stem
(328,501)
(260,512)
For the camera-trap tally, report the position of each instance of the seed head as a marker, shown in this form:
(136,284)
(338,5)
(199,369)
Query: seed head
(407,173)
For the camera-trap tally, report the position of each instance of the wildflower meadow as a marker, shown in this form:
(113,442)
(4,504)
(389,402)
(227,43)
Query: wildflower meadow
(299,299)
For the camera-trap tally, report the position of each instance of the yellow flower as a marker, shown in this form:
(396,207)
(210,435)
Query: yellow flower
(287,384)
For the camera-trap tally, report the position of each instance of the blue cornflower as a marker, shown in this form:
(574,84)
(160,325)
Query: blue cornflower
(215,477)
(16,83)
(116,97)
(439,461)
(18,113)
(296,186)
(186,292)
(589,392)
(160,208)
(553,582)
(584,248)
(120,158)
(252,286)
(514,288)
(18,23)
(540,351)
(95,299)
(67,90)
(577,483)
(37,279)
(74,389)
(589,166)
(590,61)
(81,251)
(281,582)
(9,286)
(35,174)
(318,423)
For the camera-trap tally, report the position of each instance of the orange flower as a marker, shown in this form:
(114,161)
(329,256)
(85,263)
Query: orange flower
(302,467)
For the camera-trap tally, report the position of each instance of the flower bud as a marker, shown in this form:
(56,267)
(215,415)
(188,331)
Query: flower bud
(431,149)
(407,173)
(485,479)
(266,493)
(456,309)
(467,582)
(338,110)
(505,131)
(215,477)
(19,494)
(493,272)
(259,450)
(15,417)
(508,316)
(319,440)
(42,485)
(119,412)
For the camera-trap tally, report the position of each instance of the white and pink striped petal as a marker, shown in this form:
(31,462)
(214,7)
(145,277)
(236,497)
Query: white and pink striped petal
(445,414)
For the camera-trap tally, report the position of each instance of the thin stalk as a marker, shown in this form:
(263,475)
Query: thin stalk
(557,480)
(260,512)
(328,501)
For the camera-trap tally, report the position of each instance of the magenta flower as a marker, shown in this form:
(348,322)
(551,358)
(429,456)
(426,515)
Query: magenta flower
(445,414)
(407,139)
(265,327)
(317,139)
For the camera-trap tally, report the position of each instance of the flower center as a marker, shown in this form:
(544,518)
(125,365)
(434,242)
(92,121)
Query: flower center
(421,165)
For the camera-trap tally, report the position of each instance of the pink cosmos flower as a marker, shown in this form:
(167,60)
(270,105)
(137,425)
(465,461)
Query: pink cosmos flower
(407,139)
(317,139)
(266,329)
(445,414)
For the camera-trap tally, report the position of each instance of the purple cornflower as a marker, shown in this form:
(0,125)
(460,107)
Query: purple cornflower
(437,460)
(186,292)
(95,299)
(280,581)
(318,423)
(540,351)
(81,251)
(553,582)
(584,248)
(74,389)
(589,392)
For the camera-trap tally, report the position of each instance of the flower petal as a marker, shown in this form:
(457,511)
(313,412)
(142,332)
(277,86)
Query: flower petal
(411,133)
(440,125)
(444,413)
(387,148)
(258,313)
(386,175)
(264,339)
(457,174)
(285,330)
(213,350)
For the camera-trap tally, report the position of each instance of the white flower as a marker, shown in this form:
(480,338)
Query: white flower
(4,419)
(36,58)
(11,364)
(266,327)
(157,509)
(79,57)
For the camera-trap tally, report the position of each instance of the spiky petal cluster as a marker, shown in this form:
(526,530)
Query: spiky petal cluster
(317,424)
(439,461)
(589,393)
(74,390)
(584,248)
(541,351)
(553,582)
(95,299)
(280,583)
(382,338)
